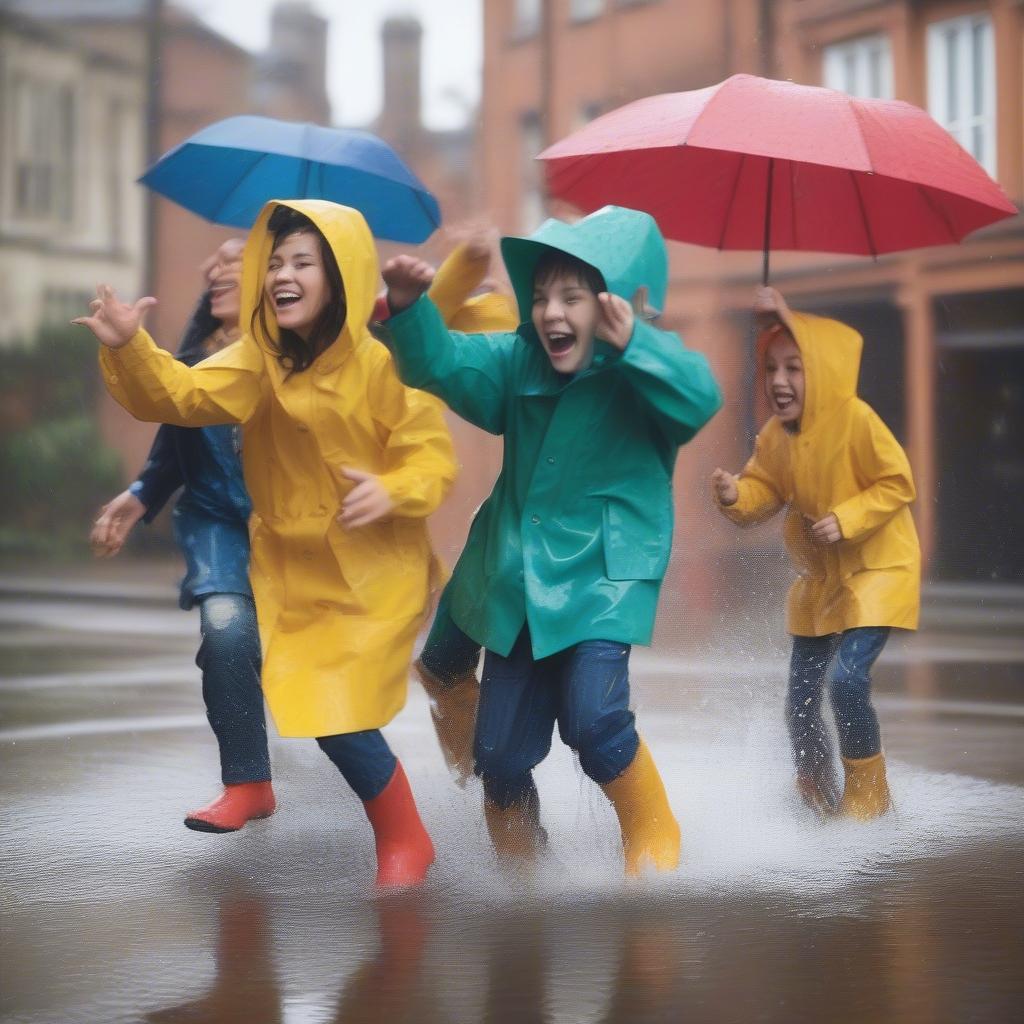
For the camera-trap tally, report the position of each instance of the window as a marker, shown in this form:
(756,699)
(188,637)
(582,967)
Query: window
(585,114)
(961,84)
(44,122)
(861,67)
(531,204)
(528,14)
(584,10)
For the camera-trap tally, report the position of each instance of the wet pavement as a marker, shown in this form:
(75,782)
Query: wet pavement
(113,912)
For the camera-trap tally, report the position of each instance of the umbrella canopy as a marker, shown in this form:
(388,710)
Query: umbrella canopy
(227,171)
(753,163)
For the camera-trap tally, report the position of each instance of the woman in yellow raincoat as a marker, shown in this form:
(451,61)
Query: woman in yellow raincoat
(847,483)
(343,465)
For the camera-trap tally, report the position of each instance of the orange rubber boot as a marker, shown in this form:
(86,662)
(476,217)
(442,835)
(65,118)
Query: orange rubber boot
(404,850)
(453,712)
(240,802)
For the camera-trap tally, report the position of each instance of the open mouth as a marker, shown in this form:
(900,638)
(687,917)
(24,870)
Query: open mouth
(284,299)
(560,344)
(783,402)
(222,289)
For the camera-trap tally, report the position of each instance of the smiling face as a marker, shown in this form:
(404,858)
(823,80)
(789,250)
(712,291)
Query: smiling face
(296,284)
(784,384)
(565,315)
(223,272)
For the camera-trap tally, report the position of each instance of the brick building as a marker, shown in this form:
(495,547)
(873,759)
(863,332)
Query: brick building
(943,328)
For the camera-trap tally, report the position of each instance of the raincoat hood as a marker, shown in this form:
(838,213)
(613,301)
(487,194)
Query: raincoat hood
(349,237)
(624,245)
(830,352)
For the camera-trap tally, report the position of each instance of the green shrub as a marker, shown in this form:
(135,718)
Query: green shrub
(56,468)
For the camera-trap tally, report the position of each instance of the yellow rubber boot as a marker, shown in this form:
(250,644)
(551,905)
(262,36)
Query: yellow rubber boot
(453,711)
(866,795)
(650,832)
(516,832)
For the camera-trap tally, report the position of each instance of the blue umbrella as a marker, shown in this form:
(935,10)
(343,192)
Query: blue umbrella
(228,170)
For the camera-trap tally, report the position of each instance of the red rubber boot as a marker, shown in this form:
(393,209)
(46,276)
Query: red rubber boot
(240,802)
(404,850)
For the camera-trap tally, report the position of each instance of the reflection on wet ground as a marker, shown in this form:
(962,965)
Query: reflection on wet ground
(113,912)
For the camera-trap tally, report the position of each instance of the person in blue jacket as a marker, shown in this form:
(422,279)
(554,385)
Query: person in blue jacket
(211,528)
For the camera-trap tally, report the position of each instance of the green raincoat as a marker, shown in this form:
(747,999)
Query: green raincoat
(575,537)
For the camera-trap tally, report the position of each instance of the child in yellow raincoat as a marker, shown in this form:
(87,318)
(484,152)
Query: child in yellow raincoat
(848,486)
(343,465)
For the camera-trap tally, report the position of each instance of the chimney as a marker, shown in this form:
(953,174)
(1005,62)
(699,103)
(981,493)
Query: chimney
(399,122)
(297,60)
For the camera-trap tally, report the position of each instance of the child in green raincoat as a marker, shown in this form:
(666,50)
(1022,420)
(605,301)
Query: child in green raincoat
(848,486)
(564,561)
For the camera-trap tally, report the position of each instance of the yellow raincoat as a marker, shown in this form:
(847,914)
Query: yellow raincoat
(338,609)
(843,460)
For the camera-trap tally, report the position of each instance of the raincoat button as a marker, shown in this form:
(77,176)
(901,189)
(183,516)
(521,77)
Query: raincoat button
(534,520)
(303,429)
(113,378)
(307,554)
(551,460)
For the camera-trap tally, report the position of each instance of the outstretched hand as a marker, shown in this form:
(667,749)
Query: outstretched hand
(114,523)
(725,487)
(407,278)
(114,322)
(615,323)
(367,502)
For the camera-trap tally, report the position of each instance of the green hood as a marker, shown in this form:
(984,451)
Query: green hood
(624,245)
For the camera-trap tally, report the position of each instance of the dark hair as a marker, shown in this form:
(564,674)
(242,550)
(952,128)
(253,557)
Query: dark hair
(293,352)
(555,263)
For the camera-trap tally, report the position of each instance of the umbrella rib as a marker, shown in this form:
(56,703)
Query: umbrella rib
(863,214)
(423,206)
(732,199)
(220,209)
(939,212)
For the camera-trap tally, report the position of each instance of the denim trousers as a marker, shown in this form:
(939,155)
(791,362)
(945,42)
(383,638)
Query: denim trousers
(448,653)
(585,689)
(843,661)
(230,659)
(364,760)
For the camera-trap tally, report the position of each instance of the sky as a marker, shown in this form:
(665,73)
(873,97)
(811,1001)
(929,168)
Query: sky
(452,47)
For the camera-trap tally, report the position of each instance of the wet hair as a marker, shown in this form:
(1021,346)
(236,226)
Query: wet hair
(293,352)
(554,263)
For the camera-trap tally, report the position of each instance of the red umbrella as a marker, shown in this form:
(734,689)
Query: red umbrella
(753,163)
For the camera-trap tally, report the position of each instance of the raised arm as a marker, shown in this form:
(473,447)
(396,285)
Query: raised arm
(675,383)
(152,385)
(469,372)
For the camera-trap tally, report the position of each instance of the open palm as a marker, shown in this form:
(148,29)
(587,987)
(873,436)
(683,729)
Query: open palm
(114,322)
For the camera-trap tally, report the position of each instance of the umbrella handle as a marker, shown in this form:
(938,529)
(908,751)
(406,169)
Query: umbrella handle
(767,221)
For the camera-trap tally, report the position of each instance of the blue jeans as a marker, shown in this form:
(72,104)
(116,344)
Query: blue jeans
(230,660)
(585,689)
(844,661)
(448,652)
(363,758)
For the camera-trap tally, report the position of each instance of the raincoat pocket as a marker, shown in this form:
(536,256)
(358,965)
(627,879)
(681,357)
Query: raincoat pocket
(637,544)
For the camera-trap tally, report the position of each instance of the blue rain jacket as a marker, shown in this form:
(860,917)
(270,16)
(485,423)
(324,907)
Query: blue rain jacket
(211,516)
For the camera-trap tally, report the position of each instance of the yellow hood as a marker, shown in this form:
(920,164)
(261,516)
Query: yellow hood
(351,242)
(831,356)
